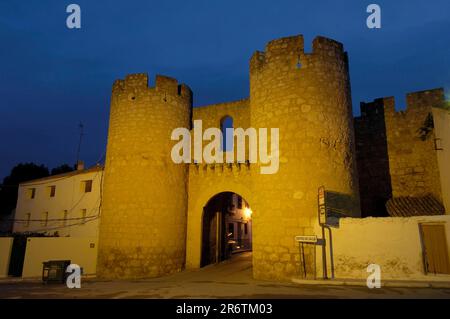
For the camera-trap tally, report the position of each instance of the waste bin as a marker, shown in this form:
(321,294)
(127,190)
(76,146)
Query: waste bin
(54,271)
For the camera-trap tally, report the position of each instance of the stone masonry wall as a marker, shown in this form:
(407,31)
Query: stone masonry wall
(146,196)
(410,138)
(143,222)
(306,96)
(396,150)
(372,159)
(207,180)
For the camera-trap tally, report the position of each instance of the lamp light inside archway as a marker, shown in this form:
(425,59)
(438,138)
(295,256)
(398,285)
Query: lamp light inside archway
(247,213)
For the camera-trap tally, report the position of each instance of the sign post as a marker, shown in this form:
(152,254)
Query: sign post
(322,222)
(322,206)
(307,239)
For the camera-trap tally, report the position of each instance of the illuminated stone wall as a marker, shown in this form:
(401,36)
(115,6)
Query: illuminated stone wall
(207,180)
(441,119)
(396,150)
(307,96)
(143,221)
(410,137)
(152,212)
(372,159)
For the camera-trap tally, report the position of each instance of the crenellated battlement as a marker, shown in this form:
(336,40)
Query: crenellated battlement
(286,44)
(425,99)
(396,149)
(132,81)
(415,101)
(291,50)
(327,47)
(376,107)
(138,82)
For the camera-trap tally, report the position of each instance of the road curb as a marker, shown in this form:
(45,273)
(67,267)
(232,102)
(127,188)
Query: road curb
(362,283)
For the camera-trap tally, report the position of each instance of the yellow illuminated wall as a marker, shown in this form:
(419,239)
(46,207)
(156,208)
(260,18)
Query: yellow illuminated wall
(152,208)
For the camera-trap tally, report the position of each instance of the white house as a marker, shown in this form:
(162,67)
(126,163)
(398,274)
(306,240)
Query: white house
(66,205)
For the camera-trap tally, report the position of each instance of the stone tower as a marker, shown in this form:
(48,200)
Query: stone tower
(143,222)
(147,198)
(307,96)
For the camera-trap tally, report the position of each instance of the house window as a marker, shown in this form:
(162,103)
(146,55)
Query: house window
(83,215)
(65,215)
(239,202)
(51,190)
(27,220)
(86,186)
(44,220)
(31,193)
(245,228)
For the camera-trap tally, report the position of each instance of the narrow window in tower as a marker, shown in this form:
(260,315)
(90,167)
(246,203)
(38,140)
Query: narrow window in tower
(227,136)
(299,64)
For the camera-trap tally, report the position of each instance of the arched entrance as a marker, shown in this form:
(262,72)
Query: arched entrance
(226,227)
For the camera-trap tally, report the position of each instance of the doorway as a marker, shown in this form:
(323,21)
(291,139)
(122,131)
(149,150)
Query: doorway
(435,249)
(226,228)
(17,256)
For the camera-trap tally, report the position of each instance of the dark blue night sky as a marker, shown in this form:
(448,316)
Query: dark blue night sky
(51,77)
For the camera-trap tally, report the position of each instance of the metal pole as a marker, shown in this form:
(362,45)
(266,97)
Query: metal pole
(315,268)
(217,237)
(304,261)
(324,254)
(331,254)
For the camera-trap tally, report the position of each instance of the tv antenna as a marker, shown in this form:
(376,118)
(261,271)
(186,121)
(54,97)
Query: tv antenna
(81,127)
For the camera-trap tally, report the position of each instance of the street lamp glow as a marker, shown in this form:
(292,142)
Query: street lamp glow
(247,213)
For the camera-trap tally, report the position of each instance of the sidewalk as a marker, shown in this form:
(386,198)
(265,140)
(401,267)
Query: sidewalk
(419,283)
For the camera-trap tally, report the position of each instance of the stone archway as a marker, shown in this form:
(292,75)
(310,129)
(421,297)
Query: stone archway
(197,203)
(226,228)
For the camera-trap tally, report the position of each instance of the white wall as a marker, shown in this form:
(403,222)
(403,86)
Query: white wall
(394,243)
(69,196)
(441,120)
(77,250)
(5,254)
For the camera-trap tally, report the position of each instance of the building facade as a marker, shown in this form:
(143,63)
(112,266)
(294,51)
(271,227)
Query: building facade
(64,205)
(239,224)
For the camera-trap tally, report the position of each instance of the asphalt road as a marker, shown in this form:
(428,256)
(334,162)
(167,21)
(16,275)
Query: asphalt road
(231,279)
